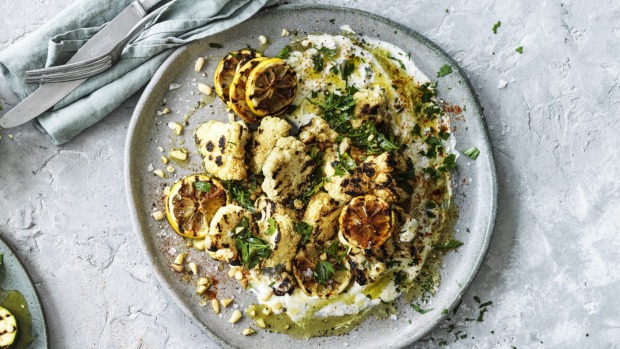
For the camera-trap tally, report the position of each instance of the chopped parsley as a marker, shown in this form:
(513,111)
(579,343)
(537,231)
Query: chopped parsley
(202,186)
(495,26)
(251,248)
(449,163)
(323,271)
(472,152)
(272,227)
(304,229)
(285,52)
(419,309)
(402,65)
(448,245)
(215,45)
(317,59)
(239,193)
(338,112)
(345,165)
(519,49)
(444,70)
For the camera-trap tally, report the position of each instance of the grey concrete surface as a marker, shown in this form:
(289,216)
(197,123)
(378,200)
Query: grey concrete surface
(553,267)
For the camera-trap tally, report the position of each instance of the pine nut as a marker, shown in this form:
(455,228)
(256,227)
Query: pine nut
(235,317)
(216,305)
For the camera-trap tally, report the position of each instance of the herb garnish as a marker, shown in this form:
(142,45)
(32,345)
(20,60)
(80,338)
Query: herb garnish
(317,59)
(252,248)
(323,271)
(448,245)
(272,227)
(519,49)
(449,163)
(285,52)
(444,70)
(202,186)
(338,111)
(402,65)
(239,193)
(304,229)
(495,26)
(417,308)
(215,45)
(472,152)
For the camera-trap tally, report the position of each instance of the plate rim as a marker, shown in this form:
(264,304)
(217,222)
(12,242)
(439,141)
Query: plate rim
(488,227)
(37,296)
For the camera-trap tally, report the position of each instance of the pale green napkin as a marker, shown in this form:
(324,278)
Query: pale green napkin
(181,22)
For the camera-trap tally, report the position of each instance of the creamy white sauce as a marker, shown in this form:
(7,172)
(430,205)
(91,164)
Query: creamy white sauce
(298,305)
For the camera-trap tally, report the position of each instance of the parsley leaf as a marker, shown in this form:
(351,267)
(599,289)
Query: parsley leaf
(402,65)
(417,308)
(285,52)
(240,194)
(272,227)
(449,163)
(444,70)
(323,271)
(317,59)
(304,229)
(215,45)
(251,248)
(472,152)
(495,26)
(448,245)
(202,186)
(519,49)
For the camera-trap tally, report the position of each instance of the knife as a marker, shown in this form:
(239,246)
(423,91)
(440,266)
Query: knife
(47,95)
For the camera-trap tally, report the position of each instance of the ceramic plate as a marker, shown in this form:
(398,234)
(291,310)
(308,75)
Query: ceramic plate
(13,276)
(475,189)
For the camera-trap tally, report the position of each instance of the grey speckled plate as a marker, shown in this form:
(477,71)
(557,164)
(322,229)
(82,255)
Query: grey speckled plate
(475,191)
(13,276)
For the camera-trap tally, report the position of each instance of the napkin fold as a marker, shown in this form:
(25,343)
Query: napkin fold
(181,22)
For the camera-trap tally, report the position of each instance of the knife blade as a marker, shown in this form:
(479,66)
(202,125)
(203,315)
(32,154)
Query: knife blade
(47,95)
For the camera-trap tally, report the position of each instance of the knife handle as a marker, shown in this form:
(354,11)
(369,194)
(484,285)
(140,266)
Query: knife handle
(147,5)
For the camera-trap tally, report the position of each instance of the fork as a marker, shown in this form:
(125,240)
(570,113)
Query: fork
(93,66)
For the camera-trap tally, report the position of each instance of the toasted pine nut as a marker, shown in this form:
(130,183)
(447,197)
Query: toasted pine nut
(176,267)
(158,215)
(193,267)
(235,317)
(260,323)
(179,259)
(226,301)
(200,62)
(216,305)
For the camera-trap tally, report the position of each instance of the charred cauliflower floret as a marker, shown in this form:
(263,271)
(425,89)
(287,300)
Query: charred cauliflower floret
(382,171)
(370,105)
(220,242)
(317,131)
(222,145)
(286,170)
(278,231)
(264,139)
(322,214)
(342,187)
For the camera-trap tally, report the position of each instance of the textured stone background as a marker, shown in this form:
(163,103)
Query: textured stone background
(553,267)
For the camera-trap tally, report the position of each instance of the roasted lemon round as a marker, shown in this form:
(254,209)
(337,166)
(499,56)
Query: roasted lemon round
(192,203)
(237,90)
(225,71)
(271,87)
(366,222)
(315,276)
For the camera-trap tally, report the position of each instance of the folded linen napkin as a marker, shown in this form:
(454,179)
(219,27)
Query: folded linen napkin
(54,43)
